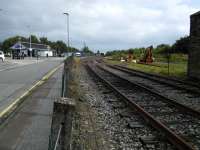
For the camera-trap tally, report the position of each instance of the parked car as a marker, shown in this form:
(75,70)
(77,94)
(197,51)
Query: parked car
(2,57)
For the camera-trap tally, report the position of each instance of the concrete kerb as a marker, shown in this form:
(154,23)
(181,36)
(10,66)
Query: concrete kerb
(16,103)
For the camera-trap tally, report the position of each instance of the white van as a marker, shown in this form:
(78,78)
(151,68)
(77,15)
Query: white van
(2,57)
(78,54)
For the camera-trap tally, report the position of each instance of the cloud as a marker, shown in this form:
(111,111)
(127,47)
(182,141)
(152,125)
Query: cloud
(102,24)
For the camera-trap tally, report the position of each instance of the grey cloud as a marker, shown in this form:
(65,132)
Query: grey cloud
(102,24)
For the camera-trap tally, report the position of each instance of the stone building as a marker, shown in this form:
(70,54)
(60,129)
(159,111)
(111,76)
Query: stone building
(194,51)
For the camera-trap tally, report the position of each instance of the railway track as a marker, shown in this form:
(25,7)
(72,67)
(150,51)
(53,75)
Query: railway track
(180,84)
(127,129)
(177,90)
(186,84)
(178,123)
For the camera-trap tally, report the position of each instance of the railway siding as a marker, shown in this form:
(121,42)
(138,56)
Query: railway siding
(180,95)
(126,128)
(176,122)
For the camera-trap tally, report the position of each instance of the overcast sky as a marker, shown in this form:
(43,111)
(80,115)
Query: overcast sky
(102,24)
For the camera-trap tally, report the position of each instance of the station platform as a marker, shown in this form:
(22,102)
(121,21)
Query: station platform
(29,127)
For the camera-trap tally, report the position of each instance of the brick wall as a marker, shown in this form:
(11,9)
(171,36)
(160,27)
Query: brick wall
(194,52)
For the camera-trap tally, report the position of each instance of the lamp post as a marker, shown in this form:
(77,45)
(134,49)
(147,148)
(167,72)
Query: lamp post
(30,48)
(67,14)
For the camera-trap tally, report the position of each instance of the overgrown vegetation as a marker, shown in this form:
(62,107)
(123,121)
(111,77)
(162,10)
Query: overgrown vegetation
(160,52)
(175,69)
(176,53)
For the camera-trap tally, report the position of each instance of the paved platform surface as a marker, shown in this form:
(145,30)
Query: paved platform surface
(29,128)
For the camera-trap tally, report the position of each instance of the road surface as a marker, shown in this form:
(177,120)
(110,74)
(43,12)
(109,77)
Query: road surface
(16,80)
(9,63)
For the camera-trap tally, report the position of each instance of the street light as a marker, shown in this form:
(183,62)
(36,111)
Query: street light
(30,49)
(67,14)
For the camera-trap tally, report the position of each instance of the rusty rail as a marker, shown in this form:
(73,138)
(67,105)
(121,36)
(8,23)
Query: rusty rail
(177,141)
(166,99)
(159,78)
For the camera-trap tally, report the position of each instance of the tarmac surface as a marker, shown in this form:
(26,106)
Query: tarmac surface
(22,75)
(9,63)
(29,128)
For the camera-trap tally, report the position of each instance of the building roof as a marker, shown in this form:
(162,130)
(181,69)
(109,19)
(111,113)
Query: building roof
(36,46)
(18,45)
(26,45)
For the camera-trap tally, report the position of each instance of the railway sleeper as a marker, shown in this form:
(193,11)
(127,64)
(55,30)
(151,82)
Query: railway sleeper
(151,105)
(179,84)
(135,125)
(163,114)
(152,143)
(177,141)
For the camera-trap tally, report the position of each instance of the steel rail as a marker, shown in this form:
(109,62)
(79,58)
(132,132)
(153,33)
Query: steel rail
(162,77)
(184,108)
(153,77)
(176,140)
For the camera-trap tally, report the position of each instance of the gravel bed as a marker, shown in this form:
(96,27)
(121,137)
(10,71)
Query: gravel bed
(191,100)
(167,114)
(123,128)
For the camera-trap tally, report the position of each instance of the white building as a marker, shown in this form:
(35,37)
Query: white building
(45,53)
(32,49)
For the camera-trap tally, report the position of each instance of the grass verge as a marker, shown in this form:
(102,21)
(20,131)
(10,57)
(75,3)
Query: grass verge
(176,69)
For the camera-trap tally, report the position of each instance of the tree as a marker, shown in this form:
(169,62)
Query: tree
(163,48)
(60,47)
(86,50)
(10,42)
(73,49)
(1,45)
(44,40)
(181,45)
(34,39)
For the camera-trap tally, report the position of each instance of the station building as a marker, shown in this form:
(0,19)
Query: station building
(32,49)
(194,51)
